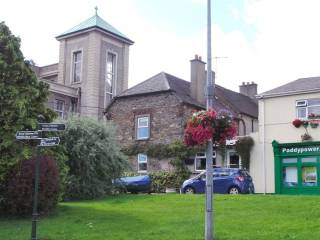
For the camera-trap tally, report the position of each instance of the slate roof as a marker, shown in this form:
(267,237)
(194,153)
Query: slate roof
(300,85)
(225,99)
(96,22)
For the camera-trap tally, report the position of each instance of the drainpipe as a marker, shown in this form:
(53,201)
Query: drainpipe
(264,146)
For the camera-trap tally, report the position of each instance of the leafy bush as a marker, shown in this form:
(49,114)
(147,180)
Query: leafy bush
(19,187)
(94,158)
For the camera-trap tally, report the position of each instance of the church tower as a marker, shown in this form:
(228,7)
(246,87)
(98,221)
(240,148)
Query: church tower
(94,59)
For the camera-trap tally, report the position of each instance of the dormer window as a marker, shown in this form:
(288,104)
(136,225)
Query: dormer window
(76,67)
(110,77)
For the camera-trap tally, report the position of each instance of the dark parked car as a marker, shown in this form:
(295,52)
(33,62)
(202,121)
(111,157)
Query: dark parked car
(134,184)
(225,180)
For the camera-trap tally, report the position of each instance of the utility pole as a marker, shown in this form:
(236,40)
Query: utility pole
(209,153)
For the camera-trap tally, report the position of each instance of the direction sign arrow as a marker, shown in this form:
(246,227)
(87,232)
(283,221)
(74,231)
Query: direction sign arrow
(48,127)
(47,142)
(27,135)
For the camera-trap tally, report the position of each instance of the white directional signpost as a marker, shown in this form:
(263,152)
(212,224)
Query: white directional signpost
(27,135)
(48,142)
(51,127)
(44,142)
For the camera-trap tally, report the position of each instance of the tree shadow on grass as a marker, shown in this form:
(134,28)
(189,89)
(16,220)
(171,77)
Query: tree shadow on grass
(75,222)
(85,222)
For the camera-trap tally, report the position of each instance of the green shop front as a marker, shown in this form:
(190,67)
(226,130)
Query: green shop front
(297,167)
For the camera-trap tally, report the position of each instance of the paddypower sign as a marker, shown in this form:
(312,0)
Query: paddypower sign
(300,150)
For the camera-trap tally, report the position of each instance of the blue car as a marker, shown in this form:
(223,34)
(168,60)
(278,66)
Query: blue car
(225,181)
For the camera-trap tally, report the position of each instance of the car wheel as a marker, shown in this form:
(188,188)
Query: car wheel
(189,190)
(234,190)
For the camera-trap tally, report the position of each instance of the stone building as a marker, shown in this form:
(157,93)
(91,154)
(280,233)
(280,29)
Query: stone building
(92,68)
(156,110)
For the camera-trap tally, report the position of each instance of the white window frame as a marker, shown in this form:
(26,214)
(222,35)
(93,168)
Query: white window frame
(306,107)
(60,112)
(144,161)
(202,155)
(73,63)
(228,158)
(139,127)
(114,77)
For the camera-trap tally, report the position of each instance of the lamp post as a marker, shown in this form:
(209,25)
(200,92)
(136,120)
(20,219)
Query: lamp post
(209,153)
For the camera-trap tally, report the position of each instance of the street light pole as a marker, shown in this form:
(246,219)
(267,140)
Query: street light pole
(209,153)
(35,196)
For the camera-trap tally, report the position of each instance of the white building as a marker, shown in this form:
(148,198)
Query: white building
(280,161)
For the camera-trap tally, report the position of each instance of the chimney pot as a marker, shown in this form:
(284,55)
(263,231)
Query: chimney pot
(249,89)
(200,58)
(198,79)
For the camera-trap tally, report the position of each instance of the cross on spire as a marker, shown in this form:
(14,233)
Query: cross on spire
(96,8)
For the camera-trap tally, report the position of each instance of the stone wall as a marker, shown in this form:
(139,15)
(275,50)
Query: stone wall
(167,118)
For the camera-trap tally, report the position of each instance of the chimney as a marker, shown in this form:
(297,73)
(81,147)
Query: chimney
(198,79)
(249,89)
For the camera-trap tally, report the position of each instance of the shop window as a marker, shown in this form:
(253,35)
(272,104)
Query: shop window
(201,159)
(142,162)
(289,160)
(290,176)
(306,107)
(309,176)
(309,160)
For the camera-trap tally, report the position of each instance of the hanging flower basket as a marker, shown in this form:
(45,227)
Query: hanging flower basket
(313,116)
(206,125)
(314,123)
(305,123)
(306,137)
(297,123)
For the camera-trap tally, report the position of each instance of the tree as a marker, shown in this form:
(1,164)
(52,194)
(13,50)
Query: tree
(94,156)
(22,100)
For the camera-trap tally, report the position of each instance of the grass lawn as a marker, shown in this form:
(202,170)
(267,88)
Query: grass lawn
(175,217)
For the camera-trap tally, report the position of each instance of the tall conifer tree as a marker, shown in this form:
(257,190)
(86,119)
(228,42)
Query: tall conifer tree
(22,100)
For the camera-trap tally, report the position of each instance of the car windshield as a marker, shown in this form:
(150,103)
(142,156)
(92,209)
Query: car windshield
(219,172)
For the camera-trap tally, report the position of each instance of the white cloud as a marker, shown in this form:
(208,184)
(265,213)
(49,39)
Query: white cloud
(199,1)
(286,45)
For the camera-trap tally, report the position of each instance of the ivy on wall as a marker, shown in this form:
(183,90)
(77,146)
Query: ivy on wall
(177,151)
(243,147)
(161,151)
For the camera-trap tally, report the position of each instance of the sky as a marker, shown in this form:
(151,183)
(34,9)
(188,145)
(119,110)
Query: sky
(269,42)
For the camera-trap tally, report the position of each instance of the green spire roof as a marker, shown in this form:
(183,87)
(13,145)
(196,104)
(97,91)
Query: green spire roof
(96,22)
